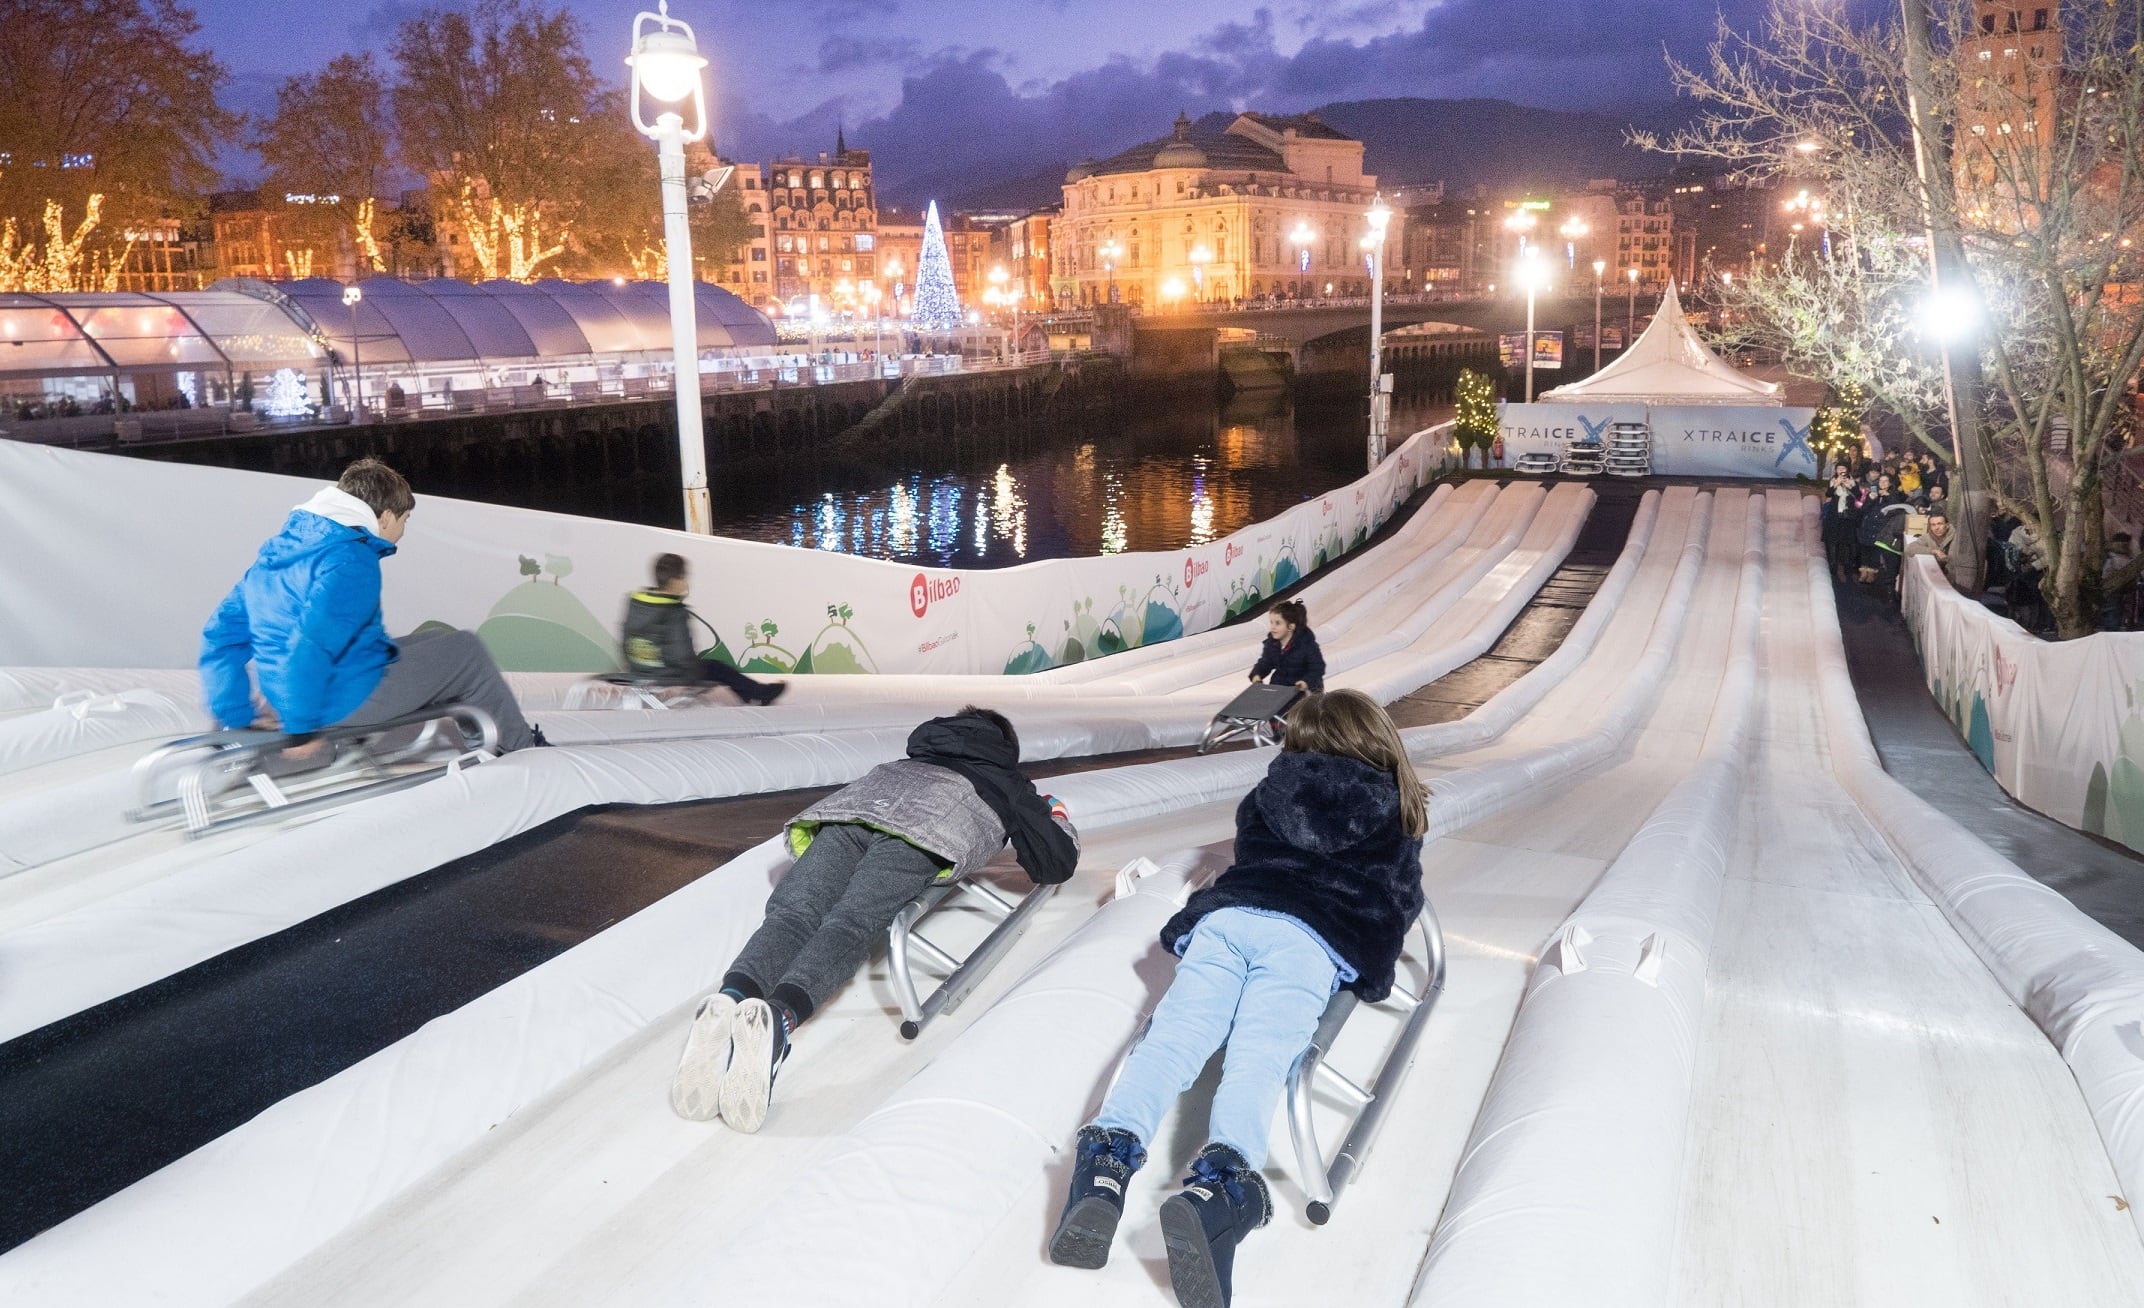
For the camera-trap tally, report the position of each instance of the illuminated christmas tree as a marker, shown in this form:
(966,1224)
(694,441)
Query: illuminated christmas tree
(1474,417)
(937,304)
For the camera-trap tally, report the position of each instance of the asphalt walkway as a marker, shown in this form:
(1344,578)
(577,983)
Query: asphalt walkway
(1919,746)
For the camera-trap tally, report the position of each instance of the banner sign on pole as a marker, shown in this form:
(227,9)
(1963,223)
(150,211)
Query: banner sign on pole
(1696,440)
(1548,350)
(1511,349)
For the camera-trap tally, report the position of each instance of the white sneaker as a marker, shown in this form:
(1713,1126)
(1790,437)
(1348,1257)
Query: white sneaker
(749,1083)
(694,1091)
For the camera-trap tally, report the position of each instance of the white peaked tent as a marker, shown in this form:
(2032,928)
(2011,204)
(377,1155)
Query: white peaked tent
(1667,365)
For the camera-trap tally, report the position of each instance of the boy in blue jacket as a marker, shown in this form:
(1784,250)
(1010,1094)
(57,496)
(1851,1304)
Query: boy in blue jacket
(307,617)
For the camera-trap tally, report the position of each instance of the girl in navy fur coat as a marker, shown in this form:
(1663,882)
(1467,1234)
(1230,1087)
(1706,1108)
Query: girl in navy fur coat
(1326,880)
(1290,655)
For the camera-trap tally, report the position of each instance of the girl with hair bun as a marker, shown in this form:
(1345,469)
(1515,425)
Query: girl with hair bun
(1291,656)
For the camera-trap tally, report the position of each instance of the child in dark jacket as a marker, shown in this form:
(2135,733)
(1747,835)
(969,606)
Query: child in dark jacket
(1327,879)
(863,853)
(1290,656)
(658,638)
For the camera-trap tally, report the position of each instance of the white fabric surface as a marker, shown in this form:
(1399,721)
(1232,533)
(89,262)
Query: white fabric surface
(1567,1188)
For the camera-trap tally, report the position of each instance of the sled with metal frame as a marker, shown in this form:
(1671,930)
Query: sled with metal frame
(229,778)
(1323,1179)
(639,691)
(905,948)
(1260,713)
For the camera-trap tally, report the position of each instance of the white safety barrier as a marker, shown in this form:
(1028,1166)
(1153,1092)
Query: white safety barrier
(2079,982)
(941,1163)
(1567,1189)
(2060,724)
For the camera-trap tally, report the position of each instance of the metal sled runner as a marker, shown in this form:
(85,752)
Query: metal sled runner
(904,947)
(1260,712)
(228,778)
(1324,1179)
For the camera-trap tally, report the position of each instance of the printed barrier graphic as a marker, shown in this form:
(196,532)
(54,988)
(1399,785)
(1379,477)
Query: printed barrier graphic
(2059,724)
(117,562)
(1693,440)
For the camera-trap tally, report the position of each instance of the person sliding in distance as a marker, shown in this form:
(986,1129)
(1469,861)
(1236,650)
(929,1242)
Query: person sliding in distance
(1290,656)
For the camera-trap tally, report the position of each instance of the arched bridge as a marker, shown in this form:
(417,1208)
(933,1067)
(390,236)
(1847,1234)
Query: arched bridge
(1301,325)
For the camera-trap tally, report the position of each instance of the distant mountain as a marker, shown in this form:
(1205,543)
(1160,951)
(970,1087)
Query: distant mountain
(1463,143)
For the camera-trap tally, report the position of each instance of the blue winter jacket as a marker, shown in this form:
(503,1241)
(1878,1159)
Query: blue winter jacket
(307,615)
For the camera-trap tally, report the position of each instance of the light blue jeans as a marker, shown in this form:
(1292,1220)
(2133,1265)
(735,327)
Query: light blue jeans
(1254,982)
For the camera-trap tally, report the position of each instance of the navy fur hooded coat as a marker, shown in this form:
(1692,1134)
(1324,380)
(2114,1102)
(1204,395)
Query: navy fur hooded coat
(1320,840)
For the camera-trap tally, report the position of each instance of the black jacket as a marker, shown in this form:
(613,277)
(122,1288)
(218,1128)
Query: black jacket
(658,636)
(977,750)
(1299,660)
(1320,840)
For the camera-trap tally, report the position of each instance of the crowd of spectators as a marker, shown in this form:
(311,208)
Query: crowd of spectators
(1880,512)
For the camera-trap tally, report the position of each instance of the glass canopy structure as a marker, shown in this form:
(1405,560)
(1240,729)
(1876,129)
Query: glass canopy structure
(289,348)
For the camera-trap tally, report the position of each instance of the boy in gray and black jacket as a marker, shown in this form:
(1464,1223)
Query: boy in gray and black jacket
(863,853)
(658,638)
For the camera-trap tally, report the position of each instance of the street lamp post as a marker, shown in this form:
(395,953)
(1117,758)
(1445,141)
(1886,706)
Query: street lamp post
(1200,256)
(1111,252)
(1302,238)
(1378,216)
(1532,274)
(1599,266)
(350,297)
(666,63)
(1630,313)
(1572,229)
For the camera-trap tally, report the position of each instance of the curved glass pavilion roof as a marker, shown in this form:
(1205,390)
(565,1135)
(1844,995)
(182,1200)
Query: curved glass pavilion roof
(251,325)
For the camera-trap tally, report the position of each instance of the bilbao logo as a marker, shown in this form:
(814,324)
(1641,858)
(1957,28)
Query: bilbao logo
(923,591)
(1230,553)
(1195,569)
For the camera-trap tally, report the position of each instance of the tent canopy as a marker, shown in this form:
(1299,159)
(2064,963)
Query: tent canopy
(1668,365)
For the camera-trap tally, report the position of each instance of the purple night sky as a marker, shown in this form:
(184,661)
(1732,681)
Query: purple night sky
(935,83)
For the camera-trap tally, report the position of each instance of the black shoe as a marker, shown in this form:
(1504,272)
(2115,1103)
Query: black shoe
(1104,1160)
(536,740)
(773,692)
(1222,1201)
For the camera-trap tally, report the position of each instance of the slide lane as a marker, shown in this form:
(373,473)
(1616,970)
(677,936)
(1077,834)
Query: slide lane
(636,1252)
(1875,1121)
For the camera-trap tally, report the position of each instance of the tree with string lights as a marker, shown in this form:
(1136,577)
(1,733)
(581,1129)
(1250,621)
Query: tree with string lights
(937,304)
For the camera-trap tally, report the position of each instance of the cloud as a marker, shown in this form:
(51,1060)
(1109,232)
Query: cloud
(839,53)
(380,23)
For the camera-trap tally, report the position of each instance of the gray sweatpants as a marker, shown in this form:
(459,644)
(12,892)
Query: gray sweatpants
(824,917)
(437,668)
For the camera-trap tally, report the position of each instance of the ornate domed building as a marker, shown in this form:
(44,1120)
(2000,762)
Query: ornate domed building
(1267,208)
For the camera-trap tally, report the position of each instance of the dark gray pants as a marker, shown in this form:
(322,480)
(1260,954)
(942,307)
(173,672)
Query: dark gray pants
(824,917)
(437,668)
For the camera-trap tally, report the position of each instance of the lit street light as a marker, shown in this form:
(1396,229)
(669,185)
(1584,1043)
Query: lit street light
(350,297)
(1599,266)
(1379,216)
(1571,230)
(1532,274)
(1111,252)
(1302,238)
(666,63)
(1200,256)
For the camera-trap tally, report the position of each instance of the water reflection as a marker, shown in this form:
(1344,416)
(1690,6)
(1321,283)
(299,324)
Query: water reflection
(1163,479)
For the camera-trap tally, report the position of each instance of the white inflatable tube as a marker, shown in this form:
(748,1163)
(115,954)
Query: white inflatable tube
(1503,709)
(1465,797)
(910,1208)
(84,722)
(2079,982)
(1514,580)
(1567,1190)
(104,949)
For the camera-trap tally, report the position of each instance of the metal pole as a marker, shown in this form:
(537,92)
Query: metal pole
(1377,353)
(357,368)
(1529,344)
(684,328)
(1630,315)
(1596,322)
(1947,267)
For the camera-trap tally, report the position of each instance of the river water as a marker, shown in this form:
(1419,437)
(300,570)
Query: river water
(1161,478)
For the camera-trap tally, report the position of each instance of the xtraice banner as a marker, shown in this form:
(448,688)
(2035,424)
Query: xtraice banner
(1696,440)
